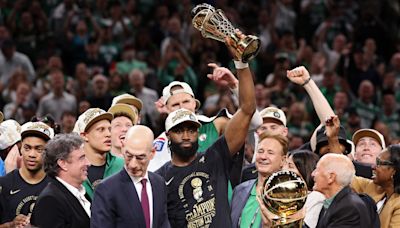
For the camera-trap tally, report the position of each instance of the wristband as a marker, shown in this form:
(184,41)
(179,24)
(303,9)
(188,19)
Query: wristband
(239,65)
(306,82)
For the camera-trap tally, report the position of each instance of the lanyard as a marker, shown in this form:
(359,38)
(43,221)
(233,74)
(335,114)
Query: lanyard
(252,220)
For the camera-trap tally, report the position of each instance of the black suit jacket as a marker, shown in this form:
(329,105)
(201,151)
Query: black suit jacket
(116,203)
(58,207)
(346,210)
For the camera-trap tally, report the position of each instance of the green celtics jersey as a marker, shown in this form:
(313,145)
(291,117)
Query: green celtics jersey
(208,134)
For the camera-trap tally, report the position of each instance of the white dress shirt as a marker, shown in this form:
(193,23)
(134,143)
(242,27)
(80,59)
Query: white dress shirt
(138,186)
(79,194)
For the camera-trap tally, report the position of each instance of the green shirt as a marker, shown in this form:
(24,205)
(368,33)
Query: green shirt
(251,216)
(208,134)
(113,165)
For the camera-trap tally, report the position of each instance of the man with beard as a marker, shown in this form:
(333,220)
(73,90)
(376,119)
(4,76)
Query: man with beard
(197,184)
(94,126)
(20,188)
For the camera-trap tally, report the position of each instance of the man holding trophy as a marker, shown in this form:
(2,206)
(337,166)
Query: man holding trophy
(197,183)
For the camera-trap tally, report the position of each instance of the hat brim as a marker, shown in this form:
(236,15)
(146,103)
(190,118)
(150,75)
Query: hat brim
(183,121)
(126,109)
(105,116)
(132,101)
(34,133)
(274,118)
(366,133)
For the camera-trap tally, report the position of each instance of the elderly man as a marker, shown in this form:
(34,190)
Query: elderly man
(342,207)
(20,188)
(369,143)
(63,203)
(143,202)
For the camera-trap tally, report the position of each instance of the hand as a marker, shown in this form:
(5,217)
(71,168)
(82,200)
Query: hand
(21,221)
(222,76)
(298,75)
(160,106)
(231,44)
(13,159)
(332,126)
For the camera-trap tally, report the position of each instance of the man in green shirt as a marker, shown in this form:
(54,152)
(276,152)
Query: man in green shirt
(94,126)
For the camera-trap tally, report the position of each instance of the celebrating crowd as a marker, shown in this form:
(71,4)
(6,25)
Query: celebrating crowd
(120,114)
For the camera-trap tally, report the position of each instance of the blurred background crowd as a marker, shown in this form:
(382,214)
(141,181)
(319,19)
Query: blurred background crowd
(60,57)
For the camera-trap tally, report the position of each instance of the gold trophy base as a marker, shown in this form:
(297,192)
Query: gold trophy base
(246,48)
(284,223)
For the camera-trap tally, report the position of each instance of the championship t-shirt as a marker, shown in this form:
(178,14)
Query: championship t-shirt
(96,174)
(197,193)
(17,196)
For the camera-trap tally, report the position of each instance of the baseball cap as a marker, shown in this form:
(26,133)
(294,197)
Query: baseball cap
(90,117)
(1,117)
(128,99)
(319,139)
(369,133)
(274,113)
(38,129)
(125,109)
(179,116)
(185,88)
(10,133)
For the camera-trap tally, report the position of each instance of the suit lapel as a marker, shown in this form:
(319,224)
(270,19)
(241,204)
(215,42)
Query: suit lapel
(70,198)
(131,194)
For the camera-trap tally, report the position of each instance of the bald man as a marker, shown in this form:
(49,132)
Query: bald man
(134,197)
(342,207)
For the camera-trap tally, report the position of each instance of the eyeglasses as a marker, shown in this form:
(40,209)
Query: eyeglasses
(380,162)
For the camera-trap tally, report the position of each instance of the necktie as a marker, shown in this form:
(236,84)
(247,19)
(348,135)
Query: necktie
(145,203)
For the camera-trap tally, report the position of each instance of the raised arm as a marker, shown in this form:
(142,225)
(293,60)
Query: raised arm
(237,127)
(300,76)
(225,77)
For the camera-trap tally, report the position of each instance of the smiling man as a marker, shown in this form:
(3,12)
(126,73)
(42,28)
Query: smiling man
(133,197)
(63,202)
(94,126)
(124,117)
(369,143)
(20,188)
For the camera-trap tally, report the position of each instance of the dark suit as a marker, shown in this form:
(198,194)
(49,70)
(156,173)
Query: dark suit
(346,210)
(58,207)
(116,203)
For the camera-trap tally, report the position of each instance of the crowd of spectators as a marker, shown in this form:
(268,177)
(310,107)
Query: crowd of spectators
(60,57)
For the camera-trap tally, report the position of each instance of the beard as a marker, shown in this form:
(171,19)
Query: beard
(183,153)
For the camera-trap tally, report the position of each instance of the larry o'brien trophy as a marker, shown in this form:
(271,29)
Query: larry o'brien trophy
(284,193)
(213,24)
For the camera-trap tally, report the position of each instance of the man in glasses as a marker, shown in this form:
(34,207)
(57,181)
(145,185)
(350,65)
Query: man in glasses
(20,188)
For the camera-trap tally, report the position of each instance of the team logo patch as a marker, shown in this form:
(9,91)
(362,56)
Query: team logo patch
(158,145)
(277,115)
(203,137)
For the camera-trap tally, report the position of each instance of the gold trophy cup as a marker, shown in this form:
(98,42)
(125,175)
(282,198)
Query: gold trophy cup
(284,194)
(212,23)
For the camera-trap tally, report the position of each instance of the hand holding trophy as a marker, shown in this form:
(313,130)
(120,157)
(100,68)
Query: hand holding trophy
(212,23)
(284,194)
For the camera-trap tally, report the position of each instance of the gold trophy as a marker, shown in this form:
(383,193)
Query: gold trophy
(284,194)
(212,23)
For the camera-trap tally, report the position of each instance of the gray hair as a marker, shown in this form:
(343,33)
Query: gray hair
(59,148)
(342,166)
